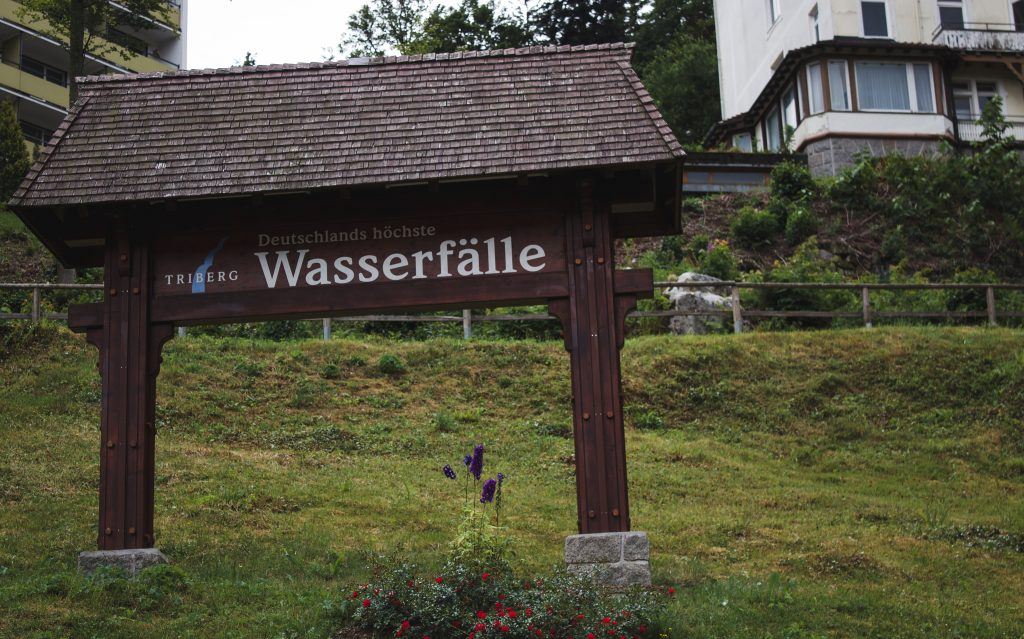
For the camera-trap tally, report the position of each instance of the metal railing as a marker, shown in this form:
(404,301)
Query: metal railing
(980,36)
(867,313)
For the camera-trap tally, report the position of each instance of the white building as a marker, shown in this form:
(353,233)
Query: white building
(855,75)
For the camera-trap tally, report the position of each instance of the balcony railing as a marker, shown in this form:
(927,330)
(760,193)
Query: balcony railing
(980,36)
(971,130)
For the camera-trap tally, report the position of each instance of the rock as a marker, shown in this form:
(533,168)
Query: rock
(131,561)
(617,559)
(702,299)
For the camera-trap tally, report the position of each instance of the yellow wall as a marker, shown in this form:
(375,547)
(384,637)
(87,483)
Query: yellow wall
(915,20)
(17,79)
(9,11)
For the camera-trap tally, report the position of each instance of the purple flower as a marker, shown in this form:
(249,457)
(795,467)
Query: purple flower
(487,494)
(476,464)
(467,460)
(448,472)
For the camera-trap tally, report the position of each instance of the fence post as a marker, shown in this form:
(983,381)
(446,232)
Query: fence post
(467,323)
(327,329)
(865,303)
(35,304)
(990,301)
(737,312)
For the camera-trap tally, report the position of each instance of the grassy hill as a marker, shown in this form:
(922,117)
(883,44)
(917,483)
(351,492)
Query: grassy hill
(832,484)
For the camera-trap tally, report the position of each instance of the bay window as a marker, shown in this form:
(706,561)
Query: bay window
(773,130)
(895,86)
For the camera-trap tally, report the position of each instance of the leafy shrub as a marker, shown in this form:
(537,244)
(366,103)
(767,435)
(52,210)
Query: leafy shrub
(753,228)
(649,420)
(699,245)
(330,371)
(719,262)
(390,365)
(802,224)
(444,422)
(792,181)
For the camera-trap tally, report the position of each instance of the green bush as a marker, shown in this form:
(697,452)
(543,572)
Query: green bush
(719,262)
(802,224)
(390,365)
(444,422)
(792,181)
(330,371)
(752,228)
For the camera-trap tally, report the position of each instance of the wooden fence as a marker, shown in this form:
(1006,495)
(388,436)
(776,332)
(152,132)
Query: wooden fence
(866,314)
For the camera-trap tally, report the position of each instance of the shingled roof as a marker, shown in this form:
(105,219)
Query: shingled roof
(376,121)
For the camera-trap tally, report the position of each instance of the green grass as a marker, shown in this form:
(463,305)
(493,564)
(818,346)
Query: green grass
(833,484)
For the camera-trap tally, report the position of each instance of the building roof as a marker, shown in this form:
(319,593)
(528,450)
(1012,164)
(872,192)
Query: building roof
(379,121)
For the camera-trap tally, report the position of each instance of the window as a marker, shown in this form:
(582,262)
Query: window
(44,71)
(815,90)
(1018,14)
(34,133)
(790,112)
(743,142)
(971,96)
(924,90)
(774,11)
(876,19)
(815,25)
(895,86)
(773,130)
(951,14)
(839,85)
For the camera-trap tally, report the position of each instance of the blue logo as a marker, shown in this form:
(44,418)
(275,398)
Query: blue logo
(199,280)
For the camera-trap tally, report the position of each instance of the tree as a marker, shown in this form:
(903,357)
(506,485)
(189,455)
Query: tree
(472,26)
(587,21)
(683,79)
(666,20)
(13,156)
(382,25)
(406,26)
(84,26)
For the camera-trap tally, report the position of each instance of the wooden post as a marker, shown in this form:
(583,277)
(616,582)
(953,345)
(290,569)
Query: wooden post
(990,301)
(129,362)
(467,323)
(737,311)
(593,320)
(865,306)
(327,329)
(35,304)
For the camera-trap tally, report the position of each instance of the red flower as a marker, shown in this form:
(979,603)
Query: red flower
(472,635)
(480,627)
(355,594)
(504,628)
(501,597)
(642,629)
(366,603)
(485,576)
(590,635)
(606,620)
(405,625)
(480,614)
(409,583)
(438,580)
(529,612)
(671,590)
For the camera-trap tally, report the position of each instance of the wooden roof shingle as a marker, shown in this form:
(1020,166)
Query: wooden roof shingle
(380,121)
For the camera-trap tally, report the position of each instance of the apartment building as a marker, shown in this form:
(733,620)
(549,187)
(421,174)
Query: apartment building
(34,67)
(877,76)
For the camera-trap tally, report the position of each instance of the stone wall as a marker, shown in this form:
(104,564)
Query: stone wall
(831,155)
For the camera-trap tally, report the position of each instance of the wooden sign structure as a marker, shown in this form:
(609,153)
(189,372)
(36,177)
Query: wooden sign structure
(234,255)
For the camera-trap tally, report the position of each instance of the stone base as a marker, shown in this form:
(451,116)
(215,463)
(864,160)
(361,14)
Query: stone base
(131,560)
(615,559)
